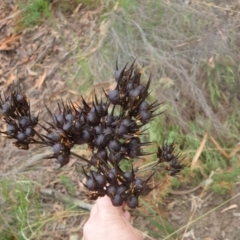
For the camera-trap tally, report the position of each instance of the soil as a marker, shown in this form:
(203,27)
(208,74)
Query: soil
(40,59)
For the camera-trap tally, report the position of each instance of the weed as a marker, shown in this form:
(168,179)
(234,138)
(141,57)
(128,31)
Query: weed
(33,11)
(19,209)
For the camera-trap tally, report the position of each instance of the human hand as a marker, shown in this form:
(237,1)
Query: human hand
(107,222)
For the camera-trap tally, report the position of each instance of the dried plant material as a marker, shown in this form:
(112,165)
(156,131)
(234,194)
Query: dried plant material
(234,151)
(40,80)
(199,151)
(211,62)
(9,43)
(166,82)
(229,208)
(221,150)
(11,79)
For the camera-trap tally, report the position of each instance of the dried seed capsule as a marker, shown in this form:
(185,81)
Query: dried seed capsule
(109,120)
(111,190)
(98,130)
(29,132)
(63,160)
(126,122)
(100,179)
(133,153)
(57,147)
(86,136)
(114,146)
(58,120)
(108,130)
(117,200)
(54,136)
(129,176)
(23,122)
(98,109)
(21,137)
(121,130)
(98,157)
(77,128)
(11,130)
(135,93)
(115,157)
(67,127)
(102,141)
(91,184)
(69,117)
(132,201)
(102,154)
(112,176)
(93,119)
(117,75)
(33,121)
(7,109)
(114,96)
(143,106)
(145,116)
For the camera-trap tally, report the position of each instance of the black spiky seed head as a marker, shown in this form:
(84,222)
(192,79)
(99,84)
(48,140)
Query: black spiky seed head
(11,130)
(145,116)
(21,137)
(117,200)
(121,130)
(132,201)
(7,109)
(143,106)
(100,179)
(23,122)
(63,159)
(109,120)
(114,146)
(111,190)
(98,130)
(114,96)
(29,132)
(93,119)
(69,117)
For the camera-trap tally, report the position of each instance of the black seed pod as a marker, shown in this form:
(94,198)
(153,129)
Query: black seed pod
(117,200)
(11,130)
(29,132)
(132,201)
(114,96)
(114,146)
(111,190)
(93,119)
(21,137)
(23,122)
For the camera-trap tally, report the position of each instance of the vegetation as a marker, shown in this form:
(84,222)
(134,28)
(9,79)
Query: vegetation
(195,73)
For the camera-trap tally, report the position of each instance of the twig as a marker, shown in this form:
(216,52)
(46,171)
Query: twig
(65,198)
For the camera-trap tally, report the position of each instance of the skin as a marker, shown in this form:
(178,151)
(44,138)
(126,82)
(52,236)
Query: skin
(107,222)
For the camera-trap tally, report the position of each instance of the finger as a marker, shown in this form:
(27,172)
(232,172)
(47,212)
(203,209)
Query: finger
(127,216)
(104,204)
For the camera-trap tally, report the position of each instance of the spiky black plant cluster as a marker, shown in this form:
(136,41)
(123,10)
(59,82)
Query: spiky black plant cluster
(15,109)
(166,154)
(111,128)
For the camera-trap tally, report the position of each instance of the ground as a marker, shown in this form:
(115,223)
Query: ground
(47,61)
